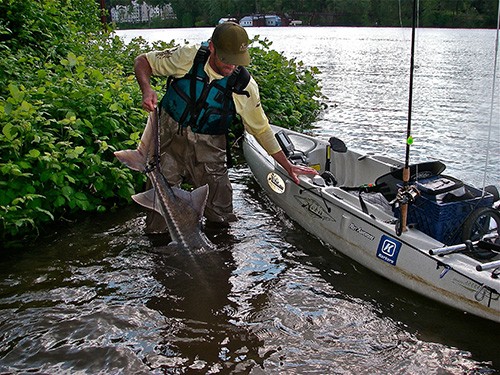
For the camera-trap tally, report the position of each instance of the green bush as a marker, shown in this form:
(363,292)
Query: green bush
(68,99)
(289,91)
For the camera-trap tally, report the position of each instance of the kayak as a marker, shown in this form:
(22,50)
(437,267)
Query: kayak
(449,248)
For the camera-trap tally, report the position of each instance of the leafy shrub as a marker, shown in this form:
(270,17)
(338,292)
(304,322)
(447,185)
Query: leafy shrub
(62,115)
(56,142)
(68,99)
(289,91)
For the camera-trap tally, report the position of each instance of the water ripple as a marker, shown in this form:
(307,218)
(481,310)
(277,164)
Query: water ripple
(99,297)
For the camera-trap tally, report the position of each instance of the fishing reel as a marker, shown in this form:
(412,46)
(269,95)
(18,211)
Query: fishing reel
(406,194)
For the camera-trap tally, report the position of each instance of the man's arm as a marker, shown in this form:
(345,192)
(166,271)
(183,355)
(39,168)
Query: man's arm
(257,124)
(292,169)
(143,73)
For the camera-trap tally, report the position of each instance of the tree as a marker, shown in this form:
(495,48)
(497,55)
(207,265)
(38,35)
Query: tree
(186,11)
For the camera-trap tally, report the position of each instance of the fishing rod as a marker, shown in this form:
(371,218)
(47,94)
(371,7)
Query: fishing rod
(406,195)
(493,88)
(157,138)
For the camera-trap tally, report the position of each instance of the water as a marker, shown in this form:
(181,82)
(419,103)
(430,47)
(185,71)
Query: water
(100,297)
(365,77)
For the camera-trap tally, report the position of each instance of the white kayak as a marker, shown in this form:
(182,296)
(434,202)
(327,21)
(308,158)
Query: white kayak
(449,249)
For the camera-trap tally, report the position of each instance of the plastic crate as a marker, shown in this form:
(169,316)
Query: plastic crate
(444,220)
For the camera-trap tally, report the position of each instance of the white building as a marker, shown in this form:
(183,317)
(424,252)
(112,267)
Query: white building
(222,20)
(273,20)
(247,21)
(136,13)
(261,20)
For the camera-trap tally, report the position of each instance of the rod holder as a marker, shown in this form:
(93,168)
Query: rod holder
(488,266)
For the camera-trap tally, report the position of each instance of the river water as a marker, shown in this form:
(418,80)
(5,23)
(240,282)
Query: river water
(100,297)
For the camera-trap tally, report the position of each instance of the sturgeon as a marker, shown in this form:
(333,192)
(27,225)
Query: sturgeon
(182,210)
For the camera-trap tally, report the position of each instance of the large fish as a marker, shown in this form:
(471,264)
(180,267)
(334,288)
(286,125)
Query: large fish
(182,210)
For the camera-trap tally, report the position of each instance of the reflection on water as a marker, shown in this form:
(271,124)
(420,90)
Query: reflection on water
(100,297)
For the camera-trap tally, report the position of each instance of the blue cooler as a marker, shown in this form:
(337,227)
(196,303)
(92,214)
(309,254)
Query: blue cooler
(443,206)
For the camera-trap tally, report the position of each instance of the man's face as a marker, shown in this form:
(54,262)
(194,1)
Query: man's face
(217,65)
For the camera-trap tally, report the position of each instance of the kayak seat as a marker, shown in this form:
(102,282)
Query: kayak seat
(376,199)
(370,194)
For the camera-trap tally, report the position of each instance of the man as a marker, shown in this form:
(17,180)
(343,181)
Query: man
(207,87)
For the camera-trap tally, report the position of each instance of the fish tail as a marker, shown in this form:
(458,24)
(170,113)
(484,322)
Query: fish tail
(134,159)
(138,159)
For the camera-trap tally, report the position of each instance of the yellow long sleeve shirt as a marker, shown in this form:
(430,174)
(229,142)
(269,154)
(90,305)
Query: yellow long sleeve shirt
(176,62)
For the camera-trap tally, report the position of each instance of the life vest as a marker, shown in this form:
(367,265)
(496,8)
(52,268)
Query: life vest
(207,107)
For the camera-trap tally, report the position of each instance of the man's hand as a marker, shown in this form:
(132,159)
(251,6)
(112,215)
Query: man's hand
(293,170)
(296,170)
(149,99)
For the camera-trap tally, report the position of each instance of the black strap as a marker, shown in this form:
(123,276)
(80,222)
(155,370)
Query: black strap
(362,203)
(238,81)
(368,188)
(199,60)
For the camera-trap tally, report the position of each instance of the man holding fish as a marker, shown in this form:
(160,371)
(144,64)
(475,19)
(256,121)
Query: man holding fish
(207,86)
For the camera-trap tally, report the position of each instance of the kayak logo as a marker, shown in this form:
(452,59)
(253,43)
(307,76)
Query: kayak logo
(388,249)
(314,208)
(276,183)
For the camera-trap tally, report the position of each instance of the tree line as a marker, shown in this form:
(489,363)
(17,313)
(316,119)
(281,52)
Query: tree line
(432,13)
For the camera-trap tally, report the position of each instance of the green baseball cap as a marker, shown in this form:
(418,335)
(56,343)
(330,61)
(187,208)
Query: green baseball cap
(231,44)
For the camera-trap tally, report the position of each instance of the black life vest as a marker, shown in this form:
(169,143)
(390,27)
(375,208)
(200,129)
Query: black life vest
(207,107)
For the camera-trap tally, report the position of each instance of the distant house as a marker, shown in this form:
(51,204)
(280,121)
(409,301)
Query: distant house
(273,20)
(261,20)
(230,19)
(137,13)
(247,21)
